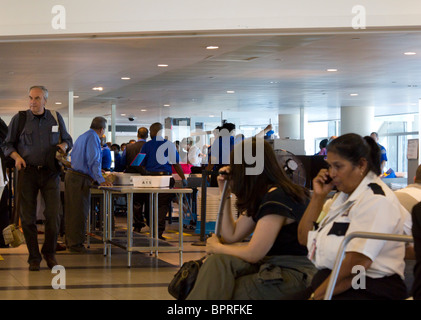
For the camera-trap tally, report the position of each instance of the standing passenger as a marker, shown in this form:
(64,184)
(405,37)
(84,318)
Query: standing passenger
(34,154)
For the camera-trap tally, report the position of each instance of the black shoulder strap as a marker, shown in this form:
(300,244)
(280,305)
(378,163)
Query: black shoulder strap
(3,130)
(21,125)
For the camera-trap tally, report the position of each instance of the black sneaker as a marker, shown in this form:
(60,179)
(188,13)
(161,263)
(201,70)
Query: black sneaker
(79,249)
(34,266)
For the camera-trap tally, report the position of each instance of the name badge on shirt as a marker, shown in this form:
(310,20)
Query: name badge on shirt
(54,129)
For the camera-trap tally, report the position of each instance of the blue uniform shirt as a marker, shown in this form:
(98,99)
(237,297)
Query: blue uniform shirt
(383,156)
(106,158)
(86,155)
(160,154)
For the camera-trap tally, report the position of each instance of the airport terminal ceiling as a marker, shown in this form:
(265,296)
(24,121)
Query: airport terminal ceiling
(250,77)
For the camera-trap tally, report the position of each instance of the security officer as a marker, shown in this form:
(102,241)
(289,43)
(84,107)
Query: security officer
(154,165)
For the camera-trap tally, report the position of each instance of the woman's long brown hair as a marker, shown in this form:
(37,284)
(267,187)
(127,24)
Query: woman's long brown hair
(250,189)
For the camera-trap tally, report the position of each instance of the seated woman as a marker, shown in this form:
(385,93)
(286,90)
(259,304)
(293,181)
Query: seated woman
(363,203)
(272,264)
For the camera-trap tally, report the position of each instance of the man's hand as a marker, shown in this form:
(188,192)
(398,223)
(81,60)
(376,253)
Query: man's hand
(106,184)
(62,147)
(19,162)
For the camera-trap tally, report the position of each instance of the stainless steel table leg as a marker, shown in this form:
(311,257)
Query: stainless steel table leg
(180,227)
(110,220)
(156,223)
(151,223)
(104,224)
(129,228)
(88,235)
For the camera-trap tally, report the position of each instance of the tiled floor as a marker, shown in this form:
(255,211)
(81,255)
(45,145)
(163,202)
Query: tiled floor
(94,276)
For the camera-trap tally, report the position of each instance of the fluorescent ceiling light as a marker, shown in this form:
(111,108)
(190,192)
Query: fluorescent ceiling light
(98,88)
(212,47)
(410,53)
(162,65)
(125,78)
(353,94)
(332,70)
(230,91)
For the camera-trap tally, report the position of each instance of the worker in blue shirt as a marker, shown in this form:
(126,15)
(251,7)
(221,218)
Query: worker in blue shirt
(106,155)
(383,155)
(86,170)
(160,156)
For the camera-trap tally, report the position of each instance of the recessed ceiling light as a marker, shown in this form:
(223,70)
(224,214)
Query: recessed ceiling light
(58,102)
(125,78)
(123,114)
(162,65)
(143,110)
(212,47)
(167,105)
(332,70)
(230,91)
(75,97)
(98,88)
(353,94)
(410,53)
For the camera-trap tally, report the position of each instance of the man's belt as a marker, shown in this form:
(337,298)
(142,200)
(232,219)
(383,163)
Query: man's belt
(36,167)
(86,176)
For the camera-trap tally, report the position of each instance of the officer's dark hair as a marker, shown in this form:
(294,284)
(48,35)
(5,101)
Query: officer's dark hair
(353,147)
(323,143)
(99,123)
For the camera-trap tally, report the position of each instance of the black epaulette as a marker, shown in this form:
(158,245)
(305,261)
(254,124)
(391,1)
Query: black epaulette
(376,189)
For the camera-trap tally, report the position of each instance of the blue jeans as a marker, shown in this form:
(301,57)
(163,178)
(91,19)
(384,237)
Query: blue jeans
(30,181)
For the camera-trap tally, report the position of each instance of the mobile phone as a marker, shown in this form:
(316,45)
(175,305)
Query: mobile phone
(329,180)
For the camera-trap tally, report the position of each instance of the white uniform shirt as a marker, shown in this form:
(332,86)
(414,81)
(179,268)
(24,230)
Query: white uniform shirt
(372,207)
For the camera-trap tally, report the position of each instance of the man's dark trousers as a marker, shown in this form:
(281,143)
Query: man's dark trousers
(30,181)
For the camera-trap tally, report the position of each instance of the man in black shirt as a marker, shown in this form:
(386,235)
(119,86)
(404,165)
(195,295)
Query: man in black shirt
(34,154)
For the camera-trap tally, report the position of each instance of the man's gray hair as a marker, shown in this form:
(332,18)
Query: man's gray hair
(44,90)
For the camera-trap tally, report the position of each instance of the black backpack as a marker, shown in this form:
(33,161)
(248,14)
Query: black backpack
(9,162)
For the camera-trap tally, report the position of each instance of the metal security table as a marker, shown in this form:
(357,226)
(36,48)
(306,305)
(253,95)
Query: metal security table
(153,246)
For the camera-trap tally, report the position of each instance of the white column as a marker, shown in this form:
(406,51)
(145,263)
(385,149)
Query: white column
(70,128)
(289,126)
(358,120)
(113,116)
(419,131)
